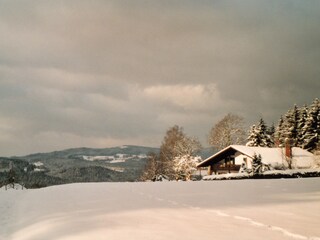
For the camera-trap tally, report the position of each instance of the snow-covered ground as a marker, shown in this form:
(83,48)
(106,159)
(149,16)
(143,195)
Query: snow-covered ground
(238,209)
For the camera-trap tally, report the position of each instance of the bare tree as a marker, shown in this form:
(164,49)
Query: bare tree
(227,131)
(168,150)
(185,162)
(152,167)
(187,146)
(175,145)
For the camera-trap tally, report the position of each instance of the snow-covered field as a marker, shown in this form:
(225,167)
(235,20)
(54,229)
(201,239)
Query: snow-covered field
(238,209)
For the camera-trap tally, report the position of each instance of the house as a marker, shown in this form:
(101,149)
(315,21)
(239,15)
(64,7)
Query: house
(233,158)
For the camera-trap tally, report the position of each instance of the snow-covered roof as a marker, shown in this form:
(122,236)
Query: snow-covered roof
(300,157)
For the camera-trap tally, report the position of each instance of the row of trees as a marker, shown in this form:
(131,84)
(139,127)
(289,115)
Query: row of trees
(300,126)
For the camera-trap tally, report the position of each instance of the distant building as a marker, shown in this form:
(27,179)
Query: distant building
(234,157)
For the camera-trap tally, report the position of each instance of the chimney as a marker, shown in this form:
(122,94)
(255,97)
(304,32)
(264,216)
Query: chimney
(288,149)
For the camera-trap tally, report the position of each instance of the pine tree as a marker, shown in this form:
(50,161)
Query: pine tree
(271,132)
(279,135)
(303,114)
(259,136)
(290,126)
(311,129)
(300,126)
(257,164)
(253,136)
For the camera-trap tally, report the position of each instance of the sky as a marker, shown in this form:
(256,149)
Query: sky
(121,72)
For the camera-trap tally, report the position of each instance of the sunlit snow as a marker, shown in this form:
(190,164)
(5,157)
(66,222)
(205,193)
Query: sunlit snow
(239,209)
(38,164)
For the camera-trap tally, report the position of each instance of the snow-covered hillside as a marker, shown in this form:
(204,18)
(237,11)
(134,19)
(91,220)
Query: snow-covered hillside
(246,209)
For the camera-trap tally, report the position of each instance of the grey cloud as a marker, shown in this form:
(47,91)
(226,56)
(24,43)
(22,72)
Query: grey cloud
(101,69)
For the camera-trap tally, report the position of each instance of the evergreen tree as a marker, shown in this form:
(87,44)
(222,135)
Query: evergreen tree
(253,136)
(271,132)
(259,136)
(300,126)
(279,135)
(303,114)
(290,126)
(257,164)
(311,129)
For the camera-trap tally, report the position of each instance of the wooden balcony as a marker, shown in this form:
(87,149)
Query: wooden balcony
(222,169)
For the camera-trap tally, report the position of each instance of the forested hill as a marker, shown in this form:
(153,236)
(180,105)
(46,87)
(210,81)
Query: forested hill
(117,164)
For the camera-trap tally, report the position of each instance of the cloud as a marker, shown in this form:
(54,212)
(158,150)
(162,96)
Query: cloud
(113,70)
(187,97)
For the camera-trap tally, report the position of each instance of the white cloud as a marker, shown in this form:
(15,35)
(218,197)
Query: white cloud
(188,97)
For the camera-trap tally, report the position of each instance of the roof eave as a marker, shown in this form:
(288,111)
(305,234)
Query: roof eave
(213,156)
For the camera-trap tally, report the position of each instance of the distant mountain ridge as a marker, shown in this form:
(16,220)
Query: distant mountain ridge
(72,152)
(115,164)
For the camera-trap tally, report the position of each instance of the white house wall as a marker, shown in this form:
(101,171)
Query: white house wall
(239,159)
